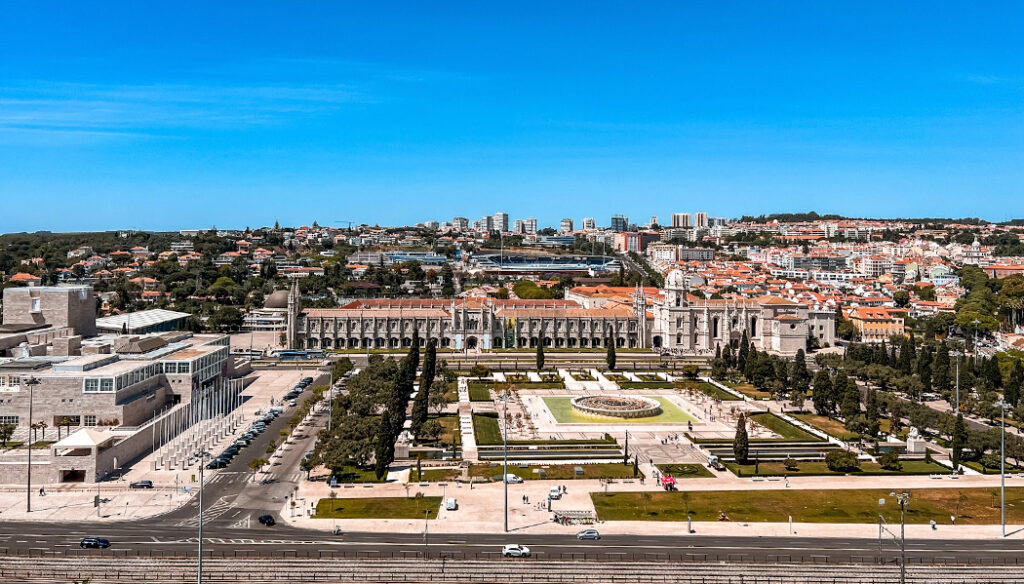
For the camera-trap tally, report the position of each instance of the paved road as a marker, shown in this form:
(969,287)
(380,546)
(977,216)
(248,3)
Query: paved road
(232,502)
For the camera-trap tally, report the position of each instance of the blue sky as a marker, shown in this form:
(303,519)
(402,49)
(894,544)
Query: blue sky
(242,113)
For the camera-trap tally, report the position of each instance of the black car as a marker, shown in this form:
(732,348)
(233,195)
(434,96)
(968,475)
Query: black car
(141,485)
(307,380)
(267,520)
(217,463)
(94,542)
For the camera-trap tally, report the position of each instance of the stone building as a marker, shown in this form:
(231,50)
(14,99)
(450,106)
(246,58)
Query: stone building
(673,320)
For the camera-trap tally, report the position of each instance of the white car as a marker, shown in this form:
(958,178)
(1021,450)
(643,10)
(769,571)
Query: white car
(515,551)
(451,504)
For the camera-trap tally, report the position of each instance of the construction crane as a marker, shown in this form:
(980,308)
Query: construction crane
(349,221)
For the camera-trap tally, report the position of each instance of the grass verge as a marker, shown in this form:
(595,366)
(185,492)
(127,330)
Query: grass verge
(378,508)
(969,506)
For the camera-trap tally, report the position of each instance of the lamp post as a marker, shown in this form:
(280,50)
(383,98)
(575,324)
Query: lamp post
(31,382)
(1002,464)
(426,524)
(202,456)
(901,498)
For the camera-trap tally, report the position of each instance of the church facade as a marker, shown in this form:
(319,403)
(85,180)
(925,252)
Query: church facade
(673,320)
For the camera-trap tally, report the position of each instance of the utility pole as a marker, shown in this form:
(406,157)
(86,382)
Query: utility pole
(504,443)
(31,383)
(902,499)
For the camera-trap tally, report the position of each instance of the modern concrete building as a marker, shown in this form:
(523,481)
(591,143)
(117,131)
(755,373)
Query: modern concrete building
(619,223)
(566,226)
(73,307)
(681,220)
(501,222)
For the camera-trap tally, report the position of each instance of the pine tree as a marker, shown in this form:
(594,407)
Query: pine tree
(610,356)
(741,443)
(540,354)
(822,392)
(420,404)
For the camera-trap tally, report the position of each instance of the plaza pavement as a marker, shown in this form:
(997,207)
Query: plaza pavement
(71,502)
(481,507)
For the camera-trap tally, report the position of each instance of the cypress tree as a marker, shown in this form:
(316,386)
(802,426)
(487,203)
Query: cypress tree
(940,369)
(958,439)
(990,370)
(384,451)
(610,356)
(540,353)
(741,443)
(741,361)
(800,377)
(1013,389)
(414,349)
(821,395)
(419,405)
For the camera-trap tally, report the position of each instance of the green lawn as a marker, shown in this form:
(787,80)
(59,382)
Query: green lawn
(561,409)
(616,377)
(970,506)
(13,444)
(710,390)
(378,508)
(815,468)
(560,472)
(783,428)
(486,429)
(748,390)
(353,474)
(686,471)
(480,392)
(830,426)
(582,376)
(41,444)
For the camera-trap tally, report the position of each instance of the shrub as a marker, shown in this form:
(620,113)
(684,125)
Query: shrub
(791,464)
(890,461)
(841,461)
(479,370)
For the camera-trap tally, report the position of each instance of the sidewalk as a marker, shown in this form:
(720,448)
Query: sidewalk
(481,508)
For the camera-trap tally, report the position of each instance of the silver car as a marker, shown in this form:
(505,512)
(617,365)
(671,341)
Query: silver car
(588,534)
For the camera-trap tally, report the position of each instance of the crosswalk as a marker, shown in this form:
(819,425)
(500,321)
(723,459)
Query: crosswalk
(218,508)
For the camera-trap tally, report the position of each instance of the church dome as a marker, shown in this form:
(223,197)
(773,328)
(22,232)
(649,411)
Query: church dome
(675,280)
(279,299)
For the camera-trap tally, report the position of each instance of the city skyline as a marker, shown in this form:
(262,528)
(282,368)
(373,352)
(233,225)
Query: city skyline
(441,112)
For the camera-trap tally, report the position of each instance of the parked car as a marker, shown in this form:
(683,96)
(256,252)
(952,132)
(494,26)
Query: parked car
(217,463)
(512,479)
(293,403)
(141,485)
(588,534)
(267,520)
(451,504)
(515,551)
(94,542)
(555,493)
(307,380)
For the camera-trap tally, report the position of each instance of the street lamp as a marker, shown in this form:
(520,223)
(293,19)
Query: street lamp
(504,444)
(202,456)
(975,322)
(957,354)
(31,382)
(426,524)
(1002,464)
(902,499)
